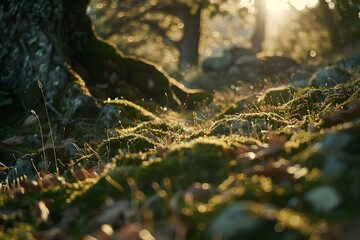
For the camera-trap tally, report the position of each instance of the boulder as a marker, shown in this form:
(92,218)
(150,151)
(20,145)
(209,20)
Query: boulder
(328,77)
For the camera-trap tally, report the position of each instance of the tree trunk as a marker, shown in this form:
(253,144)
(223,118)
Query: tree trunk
(349,20)
(330,24)
(39,40)
(53,42)
(259,34)
(189,44)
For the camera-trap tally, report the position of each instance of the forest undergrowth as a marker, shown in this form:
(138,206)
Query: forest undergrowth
(276,163)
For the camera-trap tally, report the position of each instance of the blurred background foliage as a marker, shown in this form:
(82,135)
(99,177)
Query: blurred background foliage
(180,34)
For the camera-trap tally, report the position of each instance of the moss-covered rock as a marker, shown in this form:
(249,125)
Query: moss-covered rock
(76,100)
(335,158)
(248,124)
(278,96)
(329,77)
(201,160)
(131,143)
(311,103)
(123,113)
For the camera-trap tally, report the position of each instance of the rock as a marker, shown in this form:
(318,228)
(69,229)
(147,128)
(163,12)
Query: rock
(350,64)
(279,64)
(329,77)
(234,220)
(217,64)
(277,96)
(247,124)
(240,52)
(323,199)
(234,71)
(122,113)
(77,101)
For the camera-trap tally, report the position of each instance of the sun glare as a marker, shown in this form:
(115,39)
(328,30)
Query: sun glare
(278,11)
(278,5)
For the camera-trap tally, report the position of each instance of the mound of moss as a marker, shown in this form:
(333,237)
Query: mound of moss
(248,124)
(278,96)
(120,112)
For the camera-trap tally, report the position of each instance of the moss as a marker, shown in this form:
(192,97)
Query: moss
(300,140)
(335,158)
(106,188)
(308,102)
(235,108)
(329,77)
(311,103)
(159,131)
(201,160)
(132,143)
(278,96)
(124,113)
(248,124)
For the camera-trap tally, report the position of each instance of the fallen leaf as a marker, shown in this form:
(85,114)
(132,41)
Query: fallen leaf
(341,116)
(41,181)
(82,174)
(245,154)
(128,232)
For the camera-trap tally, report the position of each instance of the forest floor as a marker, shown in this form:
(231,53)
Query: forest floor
(280,163)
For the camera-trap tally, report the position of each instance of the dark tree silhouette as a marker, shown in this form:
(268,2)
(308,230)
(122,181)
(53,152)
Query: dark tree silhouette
(177,23)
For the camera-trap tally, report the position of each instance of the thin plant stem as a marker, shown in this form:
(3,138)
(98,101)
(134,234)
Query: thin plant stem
(42,138)
(48,119)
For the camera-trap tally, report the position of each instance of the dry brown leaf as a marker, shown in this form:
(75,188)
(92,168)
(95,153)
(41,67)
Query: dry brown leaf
(160,151)
(341,116)
(276,143)
(271,169)
(267,108)
(129,232)
(245,154)
(41,181)
(82,174)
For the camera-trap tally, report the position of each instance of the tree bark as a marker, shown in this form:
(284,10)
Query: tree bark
(330,24)
(189,43)
(53,42)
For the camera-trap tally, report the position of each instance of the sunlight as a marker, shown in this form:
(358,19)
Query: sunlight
(278,11)
(279,5)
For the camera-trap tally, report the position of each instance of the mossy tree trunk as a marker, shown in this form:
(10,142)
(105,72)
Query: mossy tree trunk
(53,42)
(38,43)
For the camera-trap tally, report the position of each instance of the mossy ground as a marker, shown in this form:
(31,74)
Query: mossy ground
(283,166)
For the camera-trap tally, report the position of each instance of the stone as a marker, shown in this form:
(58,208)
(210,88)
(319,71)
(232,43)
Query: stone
(329,77)
(217,64)
(323,198)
